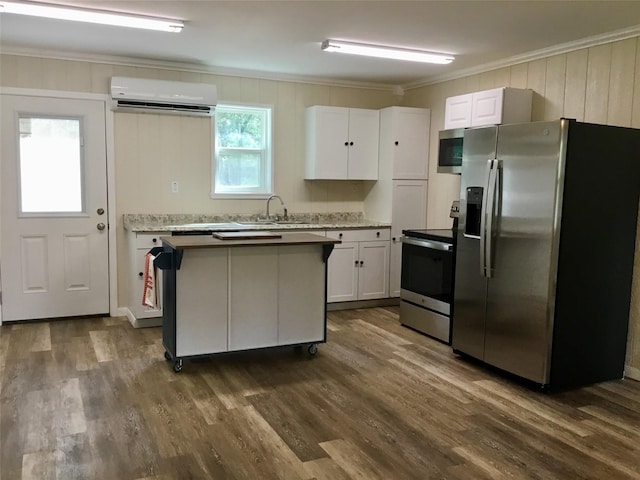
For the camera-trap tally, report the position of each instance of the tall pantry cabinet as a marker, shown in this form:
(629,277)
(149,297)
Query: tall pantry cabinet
(400,194)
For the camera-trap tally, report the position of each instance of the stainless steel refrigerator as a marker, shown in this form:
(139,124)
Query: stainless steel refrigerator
(545,248)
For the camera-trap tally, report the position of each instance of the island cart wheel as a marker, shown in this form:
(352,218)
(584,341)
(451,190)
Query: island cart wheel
(313,349)
(167,356)
(177,365)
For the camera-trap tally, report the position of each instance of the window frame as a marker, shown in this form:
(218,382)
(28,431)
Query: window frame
(81,169)
(267,162)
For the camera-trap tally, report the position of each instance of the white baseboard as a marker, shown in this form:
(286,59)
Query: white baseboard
(632,373)
(119,312)
(142,322)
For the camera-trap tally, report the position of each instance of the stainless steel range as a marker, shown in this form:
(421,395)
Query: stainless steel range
(427,280)
(426,291)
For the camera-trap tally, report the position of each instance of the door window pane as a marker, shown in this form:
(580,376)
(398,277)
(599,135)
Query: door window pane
(50,165)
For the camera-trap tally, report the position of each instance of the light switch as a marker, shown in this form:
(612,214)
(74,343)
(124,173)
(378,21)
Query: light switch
(175,187)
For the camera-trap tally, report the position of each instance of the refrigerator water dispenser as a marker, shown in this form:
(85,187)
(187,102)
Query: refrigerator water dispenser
(474,208)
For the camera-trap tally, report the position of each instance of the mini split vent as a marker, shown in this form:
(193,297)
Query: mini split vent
(160,96)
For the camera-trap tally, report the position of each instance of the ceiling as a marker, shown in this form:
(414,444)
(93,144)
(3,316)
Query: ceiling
(281,39)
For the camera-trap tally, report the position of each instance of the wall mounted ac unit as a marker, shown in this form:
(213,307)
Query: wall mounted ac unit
(161,96)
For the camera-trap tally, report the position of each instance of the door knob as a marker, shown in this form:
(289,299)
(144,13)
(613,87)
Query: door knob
(100,211)
(101,226)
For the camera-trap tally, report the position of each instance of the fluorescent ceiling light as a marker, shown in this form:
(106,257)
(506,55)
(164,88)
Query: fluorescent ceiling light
(90,16)
(385,52)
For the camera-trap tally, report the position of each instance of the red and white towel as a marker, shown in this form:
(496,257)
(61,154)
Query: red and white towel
(149,292)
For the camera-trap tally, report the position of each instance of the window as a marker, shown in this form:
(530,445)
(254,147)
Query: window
(50,165)
(242,159)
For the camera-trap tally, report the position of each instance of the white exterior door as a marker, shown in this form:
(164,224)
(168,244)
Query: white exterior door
(53,185)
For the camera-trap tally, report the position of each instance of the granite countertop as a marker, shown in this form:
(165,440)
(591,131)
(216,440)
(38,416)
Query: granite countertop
(207,241)
(209,223)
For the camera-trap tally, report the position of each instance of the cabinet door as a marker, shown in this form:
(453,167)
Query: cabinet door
(409,205)
(342,285)
(373,270)
(253,298)
(486,108)
(457,113)
(364,126)
(301,301)
(409,211)
(201,320)
(395,267)
(327,137)
(410,143)
(139,310)
(139,245)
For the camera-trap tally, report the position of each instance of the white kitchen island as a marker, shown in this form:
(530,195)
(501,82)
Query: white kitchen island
(226,295)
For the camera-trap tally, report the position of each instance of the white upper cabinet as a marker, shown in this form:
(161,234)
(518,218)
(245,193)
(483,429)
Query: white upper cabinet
(457,111)
(404,141)
(488,107)
(341,143)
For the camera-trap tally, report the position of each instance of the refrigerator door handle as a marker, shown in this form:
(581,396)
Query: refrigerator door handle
(483,219)
(493,181)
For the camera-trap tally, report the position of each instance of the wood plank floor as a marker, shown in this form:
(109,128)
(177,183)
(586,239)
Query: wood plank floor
(95,399)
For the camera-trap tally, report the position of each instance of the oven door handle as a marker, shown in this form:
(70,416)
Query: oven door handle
(445,247)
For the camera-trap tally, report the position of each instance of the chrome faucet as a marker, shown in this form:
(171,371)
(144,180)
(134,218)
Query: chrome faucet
(286,215)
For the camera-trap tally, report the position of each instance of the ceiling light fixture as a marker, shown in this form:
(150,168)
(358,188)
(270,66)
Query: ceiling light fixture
(91,16)
(380,51)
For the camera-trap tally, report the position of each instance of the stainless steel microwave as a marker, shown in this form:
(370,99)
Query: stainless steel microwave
(450,151)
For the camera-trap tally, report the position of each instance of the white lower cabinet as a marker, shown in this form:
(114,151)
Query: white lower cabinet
(409,211)
(232,299)
(359,266)
(140,244)
(201,325)
(253,297)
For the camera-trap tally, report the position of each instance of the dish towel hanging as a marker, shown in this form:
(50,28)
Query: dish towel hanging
(150,292)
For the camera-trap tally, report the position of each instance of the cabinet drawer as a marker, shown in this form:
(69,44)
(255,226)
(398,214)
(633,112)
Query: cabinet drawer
(367,235)
(149,240)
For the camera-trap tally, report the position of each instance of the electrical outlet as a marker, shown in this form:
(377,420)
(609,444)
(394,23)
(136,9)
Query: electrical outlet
(175,187)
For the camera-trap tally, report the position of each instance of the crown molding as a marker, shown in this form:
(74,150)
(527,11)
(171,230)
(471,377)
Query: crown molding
(587,42)
(530,56)
(187,67)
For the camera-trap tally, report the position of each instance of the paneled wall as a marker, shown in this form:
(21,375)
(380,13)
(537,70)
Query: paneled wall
(599,85)
(153,150)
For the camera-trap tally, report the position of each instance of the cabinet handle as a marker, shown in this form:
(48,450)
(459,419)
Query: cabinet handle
(346,144)
(361,262)
(140,274)
(339,235)
(351,144)
(356,263)
(154,240)
(377,234)
(397,142)
(393,238)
